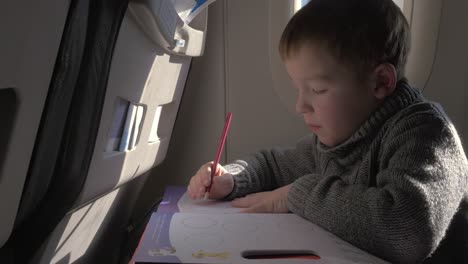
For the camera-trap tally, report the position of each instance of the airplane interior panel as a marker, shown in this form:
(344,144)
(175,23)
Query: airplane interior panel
(157,80)
(27,51)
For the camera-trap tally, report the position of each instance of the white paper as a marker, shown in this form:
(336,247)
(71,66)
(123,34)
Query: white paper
(221,238)
(187,205)
(198,231)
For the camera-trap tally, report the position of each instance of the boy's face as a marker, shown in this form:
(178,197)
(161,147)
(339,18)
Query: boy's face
(332,100)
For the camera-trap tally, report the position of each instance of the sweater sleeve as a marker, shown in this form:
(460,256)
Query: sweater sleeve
(270,169)
(420,182)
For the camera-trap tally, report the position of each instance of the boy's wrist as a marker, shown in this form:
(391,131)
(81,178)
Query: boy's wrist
(231,194)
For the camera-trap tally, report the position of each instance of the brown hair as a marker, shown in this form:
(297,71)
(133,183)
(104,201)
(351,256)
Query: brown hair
(360,33)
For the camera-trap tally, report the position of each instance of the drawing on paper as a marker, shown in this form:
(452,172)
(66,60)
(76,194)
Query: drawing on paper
(164,251)
(204,239)
(240,227)
(203,254)
(201,222)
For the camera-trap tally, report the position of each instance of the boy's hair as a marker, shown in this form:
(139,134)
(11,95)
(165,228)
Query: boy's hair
(360,33)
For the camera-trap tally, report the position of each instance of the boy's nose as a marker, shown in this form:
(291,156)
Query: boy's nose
(302,107)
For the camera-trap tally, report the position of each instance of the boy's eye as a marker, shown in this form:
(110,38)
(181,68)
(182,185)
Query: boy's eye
(319,91)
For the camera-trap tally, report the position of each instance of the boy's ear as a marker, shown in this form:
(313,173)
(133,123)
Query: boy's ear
(385,80)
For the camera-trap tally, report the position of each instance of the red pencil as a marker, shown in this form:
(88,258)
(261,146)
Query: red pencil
(219,151)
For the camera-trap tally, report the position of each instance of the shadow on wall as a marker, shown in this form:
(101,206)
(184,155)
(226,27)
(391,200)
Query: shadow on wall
(8,107)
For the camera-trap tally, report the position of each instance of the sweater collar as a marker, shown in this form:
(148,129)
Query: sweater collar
(403,96)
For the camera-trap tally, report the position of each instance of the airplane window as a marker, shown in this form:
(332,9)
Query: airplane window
(298,4)
(399,3)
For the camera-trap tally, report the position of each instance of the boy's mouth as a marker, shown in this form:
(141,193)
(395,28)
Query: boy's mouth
(314,129)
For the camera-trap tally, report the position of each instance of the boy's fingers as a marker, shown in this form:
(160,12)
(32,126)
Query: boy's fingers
(198,183)
(244,202)
(208,167)
(195,187)
(206,179)
(218,181)
(192,191)
(218,170)
(255,209)
(238,202)
(201,180)
(189,190)
(205,176)
(190,187)
(200,192)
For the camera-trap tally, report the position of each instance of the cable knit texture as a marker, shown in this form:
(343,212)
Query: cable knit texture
(396,188)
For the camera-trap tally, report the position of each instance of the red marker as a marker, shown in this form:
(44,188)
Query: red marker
(219,151)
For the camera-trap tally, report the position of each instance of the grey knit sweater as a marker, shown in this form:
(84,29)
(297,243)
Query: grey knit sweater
(396,188)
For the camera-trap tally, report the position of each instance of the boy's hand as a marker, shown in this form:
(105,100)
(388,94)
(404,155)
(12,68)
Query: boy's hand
(264,202)
(222,183)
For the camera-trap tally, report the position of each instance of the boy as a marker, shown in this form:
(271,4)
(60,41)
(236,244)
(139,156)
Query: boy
(384,168)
